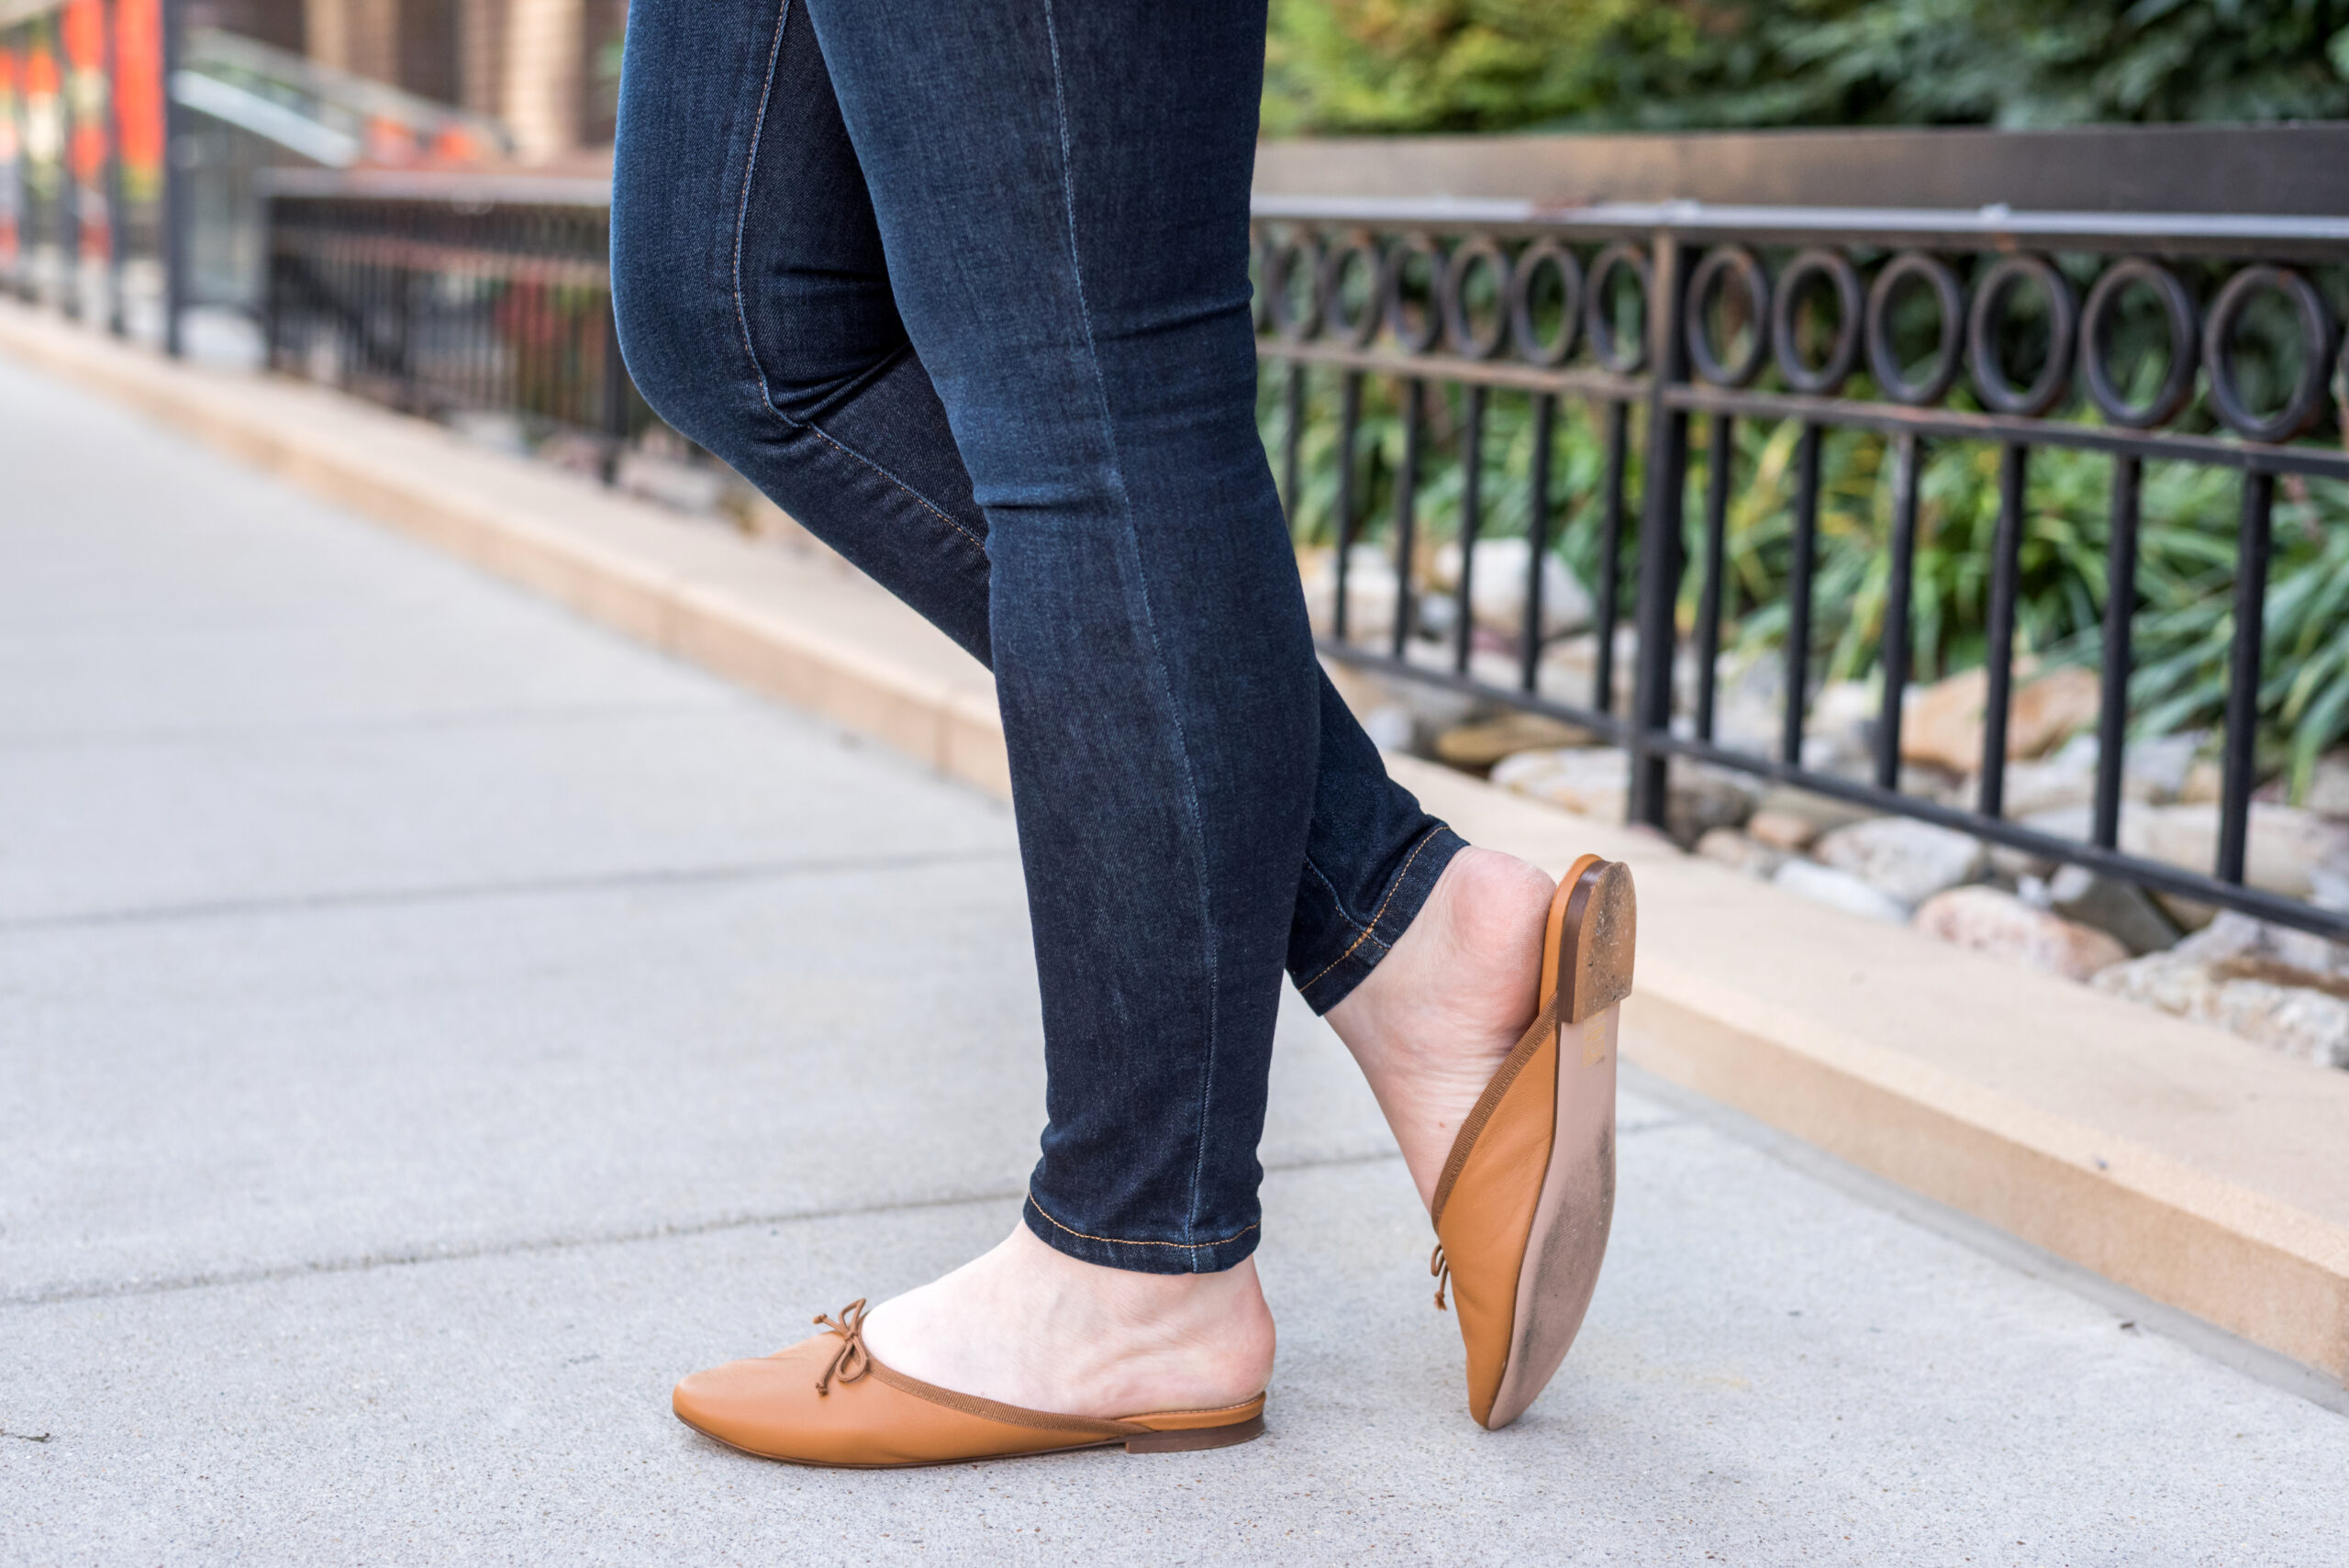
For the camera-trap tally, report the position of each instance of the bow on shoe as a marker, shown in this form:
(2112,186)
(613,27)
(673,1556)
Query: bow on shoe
(1441,1268)
(853,1361)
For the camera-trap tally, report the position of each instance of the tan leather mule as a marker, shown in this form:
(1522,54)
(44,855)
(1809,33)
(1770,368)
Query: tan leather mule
(827,1401)
(1522,1208)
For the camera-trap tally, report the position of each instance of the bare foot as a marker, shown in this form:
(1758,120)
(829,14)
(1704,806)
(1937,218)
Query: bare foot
(1432,1023)
(1031,1327)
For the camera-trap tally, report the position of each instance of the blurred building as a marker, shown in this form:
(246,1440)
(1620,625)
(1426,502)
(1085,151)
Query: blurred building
(549,69)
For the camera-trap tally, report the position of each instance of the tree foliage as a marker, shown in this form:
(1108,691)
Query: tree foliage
(1340,66)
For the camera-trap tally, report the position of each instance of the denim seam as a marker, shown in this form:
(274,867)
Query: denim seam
(1120,1241)
(742,314)
(1141,574)
(742,207)
(1337,902)
(1392,888)
(918,498)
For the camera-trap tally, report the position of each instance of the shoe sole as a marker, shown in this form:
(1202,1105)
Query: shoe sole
(1589,950)
(1141,1442)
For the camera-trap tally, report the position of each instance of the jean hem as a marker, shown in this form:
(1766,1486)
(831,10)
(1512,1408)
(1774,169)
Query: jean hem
(1140,1257)
(1334,980)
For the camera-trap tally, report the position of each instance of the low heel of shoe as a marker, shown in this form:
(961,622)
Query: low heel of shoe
(1197,1438)
(1604,915)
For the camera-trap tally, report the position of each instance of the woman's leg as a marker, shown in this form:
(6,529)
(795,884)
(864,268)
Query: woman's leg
(757,315)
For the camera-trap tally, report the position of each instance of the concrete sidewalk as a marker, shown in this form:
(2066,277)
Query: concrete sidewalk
(428,1025)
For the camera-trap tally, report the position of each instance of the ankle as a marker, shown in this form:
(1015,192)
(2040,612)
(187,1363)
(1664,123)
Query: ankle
(1030,1326)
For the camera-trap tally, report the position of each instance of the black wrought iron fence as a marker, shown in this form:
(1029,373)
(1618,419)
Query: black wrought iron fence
(1679,334)
(445,294)
(1918,330)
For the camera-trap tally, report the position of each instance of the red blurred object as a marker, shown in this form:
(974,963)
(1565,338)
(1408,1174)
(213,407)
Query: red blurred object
(139,89)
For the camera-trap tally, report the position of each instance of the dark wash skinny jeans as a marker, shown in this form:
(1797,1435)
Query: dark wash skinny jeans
(962,285)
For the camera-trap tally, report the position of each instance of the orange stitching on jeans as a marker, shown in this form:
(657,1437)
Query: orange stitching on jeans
(1115,1241)
(1392,888)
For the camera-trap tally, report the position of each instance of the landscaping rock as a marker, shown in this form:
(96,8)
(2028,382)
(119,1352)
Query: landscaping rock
(2157,769)
(1570,668)
(2304,1021)
(2051,709)
(1907,862)
(2004,926)
(1481,744)
(1496,589)
(1371,592)
(1740,852)
(2287,844)
(1795,817)
(2329,788)
(2065,776)
(2288,847)
(1942,724)
(2120,909)
(1825,884)
(2233,935)
(2204,781)
(1595,781)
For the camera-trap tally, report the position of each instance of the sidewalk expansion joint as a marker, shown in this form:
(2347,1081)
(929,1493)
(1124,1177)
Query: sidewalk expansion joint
(387,724)
(222,1279)
(540,887)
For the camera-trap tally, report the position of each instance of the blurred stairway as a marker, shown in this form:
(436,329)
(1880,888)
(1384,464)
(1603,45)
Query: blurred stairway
(326,115)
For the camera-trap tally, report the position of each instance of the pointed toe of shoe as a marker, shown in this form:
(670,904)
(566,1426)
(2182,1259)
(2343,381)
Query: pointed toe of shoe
(761,1407)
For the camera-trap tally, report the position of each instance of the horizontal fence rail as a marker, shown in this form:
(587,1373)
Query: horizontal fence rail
(2155,342)
(1921,329)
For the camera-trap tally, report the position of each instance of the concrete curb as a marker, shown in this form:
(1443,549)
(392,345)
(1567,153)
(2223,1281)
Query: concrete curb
(2190,1166)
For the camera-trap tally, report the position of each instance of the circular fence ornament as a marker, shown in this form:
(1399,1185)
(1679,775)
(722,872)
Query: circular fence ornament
(1467,337)
(1613,353)
(2306,402)
(1544,256)
(2096,344)
(1990,296)
(1358,256)
(1721,265)
(1826,378)
(1417,324)
(1884,361)
(1295,260)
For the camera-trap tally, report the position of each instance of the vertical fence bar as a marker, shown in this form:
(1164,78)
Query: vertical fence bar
(615,397)
(2243,674)
(272,286)
(1998,654)
(1293,441)
(1537,538)
(1407,484)
(1893,654)
(1799,575)
(2120,607)
(1719,438)
(175,211)
(1349,428)
(1610,553)
(1660,525)
(1472,517)
(118,235)
(68,180)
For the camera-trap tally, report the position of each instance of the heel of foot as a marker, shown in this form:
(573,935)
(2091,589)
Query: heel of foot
(1607,933)
(1197,1438)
